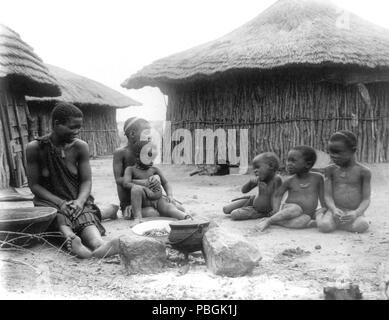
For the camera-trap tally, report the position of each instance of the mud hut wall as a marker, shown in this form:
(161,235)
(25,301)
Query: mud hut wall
(13,136)
(285,111)
(99,129)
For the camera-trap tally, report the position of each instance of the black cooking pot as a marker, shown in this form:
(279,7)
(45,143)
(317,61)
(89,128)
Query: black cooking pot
(187,235)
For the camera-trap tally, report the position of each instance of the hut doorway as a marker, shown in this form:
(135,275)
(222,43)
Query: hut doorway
(13,137)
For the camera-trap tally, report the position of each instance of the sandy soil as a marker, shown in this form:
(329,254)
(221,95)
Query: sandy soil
(46,272)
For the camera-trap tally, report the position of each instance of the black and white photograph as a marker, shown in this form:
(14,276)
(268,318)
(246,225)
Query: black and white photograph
(191,150)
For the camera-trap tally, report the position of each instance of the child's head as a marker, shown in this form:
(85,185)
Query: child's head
(301,159)
(342,147)
(136,129)
(145,153)
(265,165)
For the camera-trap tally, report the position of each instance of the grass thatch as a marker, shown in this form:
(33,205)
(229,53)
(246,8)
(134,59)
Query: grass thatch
(23,67)
(83,91)
(289,33)
(98,103)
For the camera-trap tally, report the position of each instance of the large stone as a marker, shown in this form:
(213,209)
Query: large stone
(230,255)
(143,255)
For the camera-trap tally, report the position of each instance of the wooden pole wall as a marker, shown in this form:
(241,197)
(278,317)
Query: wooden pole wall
(285,111)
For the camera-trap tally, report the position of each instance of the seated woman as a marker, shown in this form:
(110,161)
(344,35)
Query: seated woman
(59,175)
(135,129)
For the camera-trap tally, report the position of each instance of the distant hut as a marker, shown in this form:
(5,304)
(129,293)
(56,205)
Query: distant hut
(293,75)
(22,73)
(98,103)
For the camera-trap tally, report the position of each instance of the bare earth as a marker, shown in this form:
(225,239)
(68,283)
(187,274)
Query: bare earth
(46,272)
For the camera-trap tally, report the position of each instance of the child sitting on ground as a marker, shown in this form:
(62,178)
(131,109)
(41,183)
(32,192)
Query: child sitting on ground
(304,188)
(347,187)
(265,167)
(142,174)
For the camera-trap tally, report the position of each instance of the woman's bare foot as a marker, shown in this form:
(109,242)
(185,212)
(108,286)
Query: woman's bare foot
(74,245)
(107,249)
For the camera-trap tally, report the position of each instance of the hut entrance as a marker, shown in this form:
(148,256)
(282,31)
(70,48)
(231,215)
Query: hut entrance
(13,137)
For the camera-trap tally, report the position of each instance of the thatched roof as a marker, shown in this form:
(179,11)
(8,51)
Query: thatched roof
(23,67)
(83,91)
(290,33)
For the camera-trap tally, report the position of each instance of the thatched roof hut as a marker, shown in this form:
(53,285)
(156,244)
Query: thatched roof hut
(289,33)
(80,90)
(294,74)
(97,101)
(22,72)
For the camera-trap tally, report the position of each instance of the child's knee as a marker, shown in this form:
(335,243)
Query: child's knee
(325,222)
(305,219)
(295,208)
(236,214)
(326,226)
(300,222)
(136,190)
(360,225)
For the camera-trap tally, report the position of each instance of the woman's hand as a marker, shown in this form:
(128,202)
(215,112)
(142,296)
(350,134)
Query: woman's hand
(76,206)
(65,207)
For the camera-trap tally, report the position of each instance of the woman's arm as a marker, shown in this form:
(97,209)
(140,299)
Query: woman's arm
(84,172)
(118,169)
(127,178)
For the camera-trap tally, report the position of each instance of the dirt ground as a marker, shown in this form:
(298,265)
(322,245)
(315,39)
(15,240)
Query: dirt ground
(326,259)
